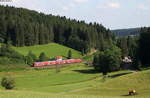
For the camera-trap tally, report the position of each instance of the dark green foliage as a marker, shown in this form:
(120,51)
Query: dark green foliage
(10,56)
(132,43)
(108,61)
(8,82)
(122,43)
(29,60)
(23,27)
(96,62)
(128,45)
(69,54)
(42,57)
(32,55)
(144,46)
(136,64)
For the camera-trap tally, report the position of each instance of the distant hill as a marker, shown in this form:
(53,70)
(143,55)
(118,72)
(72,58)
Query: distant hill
(51,50)
(127,32)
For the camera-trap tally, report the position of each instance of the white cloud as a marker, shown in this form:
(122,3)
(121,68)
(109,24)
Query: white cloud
(65,8)
(143,7)
(24,4)
(81,1)
(113,5)
(69,6)
(101,7)
(109,5)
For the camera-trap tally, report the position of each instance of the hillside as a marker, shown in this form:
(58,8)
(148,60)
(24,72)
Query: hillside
(41,83)
(47,80)
(23,27)
(51,50)
(119,85)
(126,32)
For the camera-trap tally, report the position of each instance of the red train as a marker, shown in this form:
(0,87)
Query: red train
(48,63)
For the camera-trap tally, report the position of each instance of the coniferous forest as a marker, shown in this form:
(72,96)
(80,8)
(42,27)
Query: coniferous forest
(23,27)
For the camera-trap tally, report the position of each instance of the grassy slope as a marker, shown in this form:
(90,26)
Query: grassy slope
(71,79)
(30,94)
(76,79)
(120,86)
(48,81)
(12,67)
(51,50)
(112,88)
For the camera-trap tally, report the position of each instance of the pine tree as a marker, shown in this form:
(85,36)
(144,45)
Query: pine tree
(69,54)
(42,57)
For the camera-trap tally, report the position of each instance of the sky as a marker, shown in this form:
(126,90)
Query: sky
(113,14)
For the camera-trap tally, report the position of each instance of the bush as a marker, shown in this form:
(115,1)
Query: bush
(9,55)
(29,60)
(4,60)
(8,82)
(32,55)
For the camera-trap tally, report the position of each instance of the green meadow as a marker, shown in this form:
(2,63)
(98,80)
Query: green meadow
(51,50)
(120,85)
(76,81)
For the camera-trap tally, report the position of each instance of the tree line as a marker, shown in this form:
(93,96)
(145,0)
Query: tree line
(137,47)
(23,27)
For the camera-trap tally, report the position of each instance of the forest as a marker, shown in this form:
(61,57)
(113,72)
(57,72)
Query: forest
(23,27)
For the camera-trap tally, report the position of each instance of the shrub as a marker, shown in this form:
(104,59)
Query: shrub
(4,60)
(29,60)
(32,55)
(8,82)
(9,55)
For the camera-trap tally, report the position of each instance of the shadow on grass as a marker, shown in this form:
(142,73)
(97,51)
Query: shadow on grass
(129,95)
(126,95)
(64,56)
(120,74)
(89,71)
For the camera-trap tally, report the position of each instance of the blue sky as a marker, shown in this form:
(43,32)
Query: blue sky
(113,14)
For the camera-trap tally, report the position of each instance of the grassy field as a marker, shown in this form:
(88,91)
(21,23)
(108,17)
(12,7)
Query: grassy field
(12,67)
(47,80)
(76,81)
(119,86)
(30,94)
(51,50)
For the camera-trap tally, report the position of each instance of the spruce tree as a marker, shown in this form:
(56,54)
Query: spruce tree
(42,57)
(69,54)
